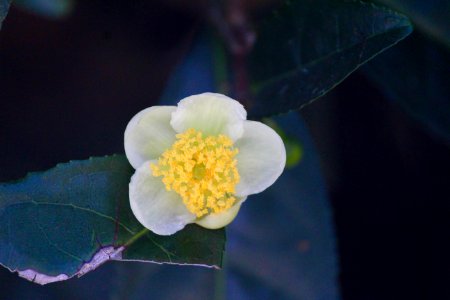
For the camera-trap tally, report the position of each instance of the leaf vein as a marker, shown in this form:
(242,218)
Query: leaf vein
(167,252)
(87,210)
(54,244)
(258,86)
(130,231)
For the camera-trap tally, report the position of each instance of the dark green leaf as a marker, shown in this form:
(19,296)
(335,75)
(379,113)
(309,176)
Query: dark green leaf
(69,220)
(419,80)
(431,16)
(4,7)
(308,47)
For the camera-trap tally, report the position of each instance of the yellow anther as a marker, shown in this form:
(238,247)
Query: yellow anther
(202,170)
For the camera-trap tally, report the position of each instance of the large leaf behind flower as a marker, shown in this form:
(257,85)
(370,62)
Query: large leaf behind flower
(309,46)
(282,243)
(69,220)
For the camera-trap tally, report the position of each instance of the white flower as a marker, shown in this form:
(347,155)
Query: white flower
(197,162)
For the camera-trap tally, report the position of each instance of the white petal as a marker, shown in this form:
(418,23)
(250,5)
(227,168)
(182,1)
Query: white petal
(149,134)
(215,221)
(213,114)
(159,210)
(261,158)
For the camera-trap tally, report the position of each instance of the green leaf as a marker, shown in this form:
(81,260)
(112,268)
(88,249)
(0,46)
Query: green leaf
(308,47)
(4,7)
(69,220)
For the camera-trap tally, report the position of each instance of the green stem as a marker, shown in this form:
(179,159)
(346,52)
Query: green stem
(136,237)
(220,281)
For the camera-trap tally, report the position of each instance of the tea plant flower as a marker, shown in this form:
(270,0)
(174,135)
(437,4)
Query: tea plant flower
(197,162)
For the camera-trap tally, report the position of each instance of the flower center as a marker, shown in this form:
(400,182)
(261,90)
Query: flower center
(202,170)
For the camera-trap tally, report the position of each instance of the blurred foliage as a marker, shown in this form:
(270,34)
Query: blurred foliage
(416,74)
(315,45)
(294,149)
(4,7)
(287,232)
(430,16)
(54,9)
(282,244)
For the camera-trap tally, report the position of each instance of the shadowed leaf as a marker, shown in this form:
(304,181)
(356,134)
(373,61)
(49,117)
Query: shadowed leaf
(4,7)
(418,80)
(308,47)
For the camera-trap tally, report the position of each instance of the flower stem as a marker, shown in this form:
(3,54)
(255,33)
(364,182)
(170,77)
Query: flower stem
(137,236)
(220,282)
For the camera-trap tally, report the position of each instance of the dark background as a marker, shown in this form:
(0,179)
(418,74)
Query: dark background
(69,87)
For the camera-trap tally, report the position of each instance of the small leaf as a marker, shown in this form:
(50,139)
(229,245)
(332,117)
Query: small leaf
(4,7)
(71,219)
(308,47)
(294,149)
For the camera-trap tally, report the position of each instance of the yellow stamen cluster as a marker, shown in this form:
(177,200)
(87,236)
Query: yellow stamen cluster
(202,170)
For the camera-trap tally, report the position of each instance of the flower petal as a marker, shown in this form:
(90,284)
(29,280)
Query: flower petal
(261,158)
(210,113)
(159,210)
(215,221)
(149,134)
